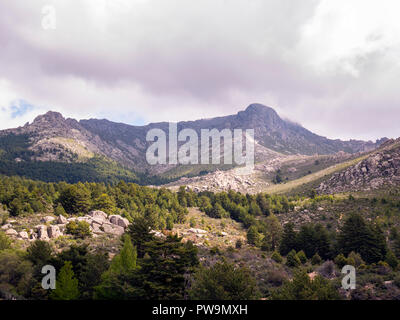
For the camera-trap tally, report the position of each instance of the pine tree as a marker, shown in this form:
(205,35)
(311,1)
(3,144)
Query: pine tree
(292,260)
(125,261)
(289,239)
(59,211)
(356,235)
(140,233)
(66,285)
(5,242)
(273,230)
(253,237)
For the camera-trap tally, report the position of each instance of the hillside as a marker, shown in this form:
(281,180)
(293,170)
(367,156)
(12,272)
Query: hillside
(378,170)
(53,148)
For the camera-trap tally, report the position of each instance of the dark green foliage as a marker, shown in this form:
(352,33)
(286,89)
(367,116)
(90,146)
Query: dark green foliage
(75,199)
(358,236)
(139,232)
(391,259)
(5,242)
(79,229)
(160,273)
(276,257)
(289,239)
(292,260)
(67,284)
(302,257)
(15,273)
(316,259)
(223,281)
(303,288)
(253,236)
(59,211)
(39,253)
(340,260)
(313,239)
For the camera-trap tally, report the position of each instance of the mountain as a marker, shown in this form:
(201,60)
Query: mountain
(379,170)
(53,148)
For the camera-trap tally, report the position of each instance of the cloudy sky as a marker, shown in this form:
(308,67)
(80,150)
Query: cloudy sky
(333,66)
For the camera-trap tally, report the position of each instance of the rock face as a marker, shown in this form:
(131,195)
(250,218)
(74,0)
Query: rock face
(48,219)
(23,235)
(42,233)
(53,232)
(100,215)
(198,231)
(119,221)
(113,229)
(11,232)
(61,219)
(379,169)
(99,223)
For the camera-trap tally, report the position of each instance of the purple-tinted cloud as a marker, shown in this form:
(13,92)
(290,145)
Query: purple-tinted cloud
(315,62)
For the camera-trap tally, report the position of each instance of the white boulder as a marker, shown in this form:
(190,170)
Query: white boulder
(119,221)
(23,235)
(98,215)
(48,219)
(61,219)
(11,232)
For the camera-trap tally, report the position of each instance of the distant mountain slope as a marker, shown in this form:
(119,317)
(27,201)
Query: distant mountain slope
(271,132)
(51,144)
(380,169)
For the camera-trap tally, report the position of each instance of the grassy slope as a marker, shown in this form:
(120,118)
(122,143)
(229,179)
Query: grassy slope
(308,181)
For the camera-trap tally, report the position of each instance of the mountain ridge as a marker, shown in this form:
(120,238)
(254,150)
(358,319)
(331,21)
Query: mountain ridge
(53,138)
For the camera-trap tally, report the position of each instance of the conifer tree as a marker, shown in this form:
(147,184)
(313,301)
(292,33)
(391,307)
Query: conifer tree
(66,284)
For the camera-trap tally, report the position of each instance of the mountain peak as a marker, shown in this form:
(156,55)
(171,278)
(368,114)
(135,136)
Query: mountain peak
(257,107)
(50,116)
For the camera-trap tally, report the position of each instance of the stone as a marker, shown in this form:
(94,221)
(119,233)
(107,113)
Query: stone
(198,231)
(97,214)
(119,221)
(158,234)
(6,226)
(113,229)
(23,235)
(11,232)
(61,219)
(48,219)
(96,228)
(42,233)
(54,232)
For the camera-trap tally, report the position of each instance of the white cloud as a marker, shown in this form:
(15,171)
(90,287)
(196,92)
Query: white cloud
(329,65)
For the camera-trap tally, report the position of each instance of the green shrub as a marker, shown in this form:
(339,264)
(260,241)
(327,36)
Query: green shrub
(276,257)
(292,260)
(239,243)
(79,229)
(316,259)
(340,260)
(302,256)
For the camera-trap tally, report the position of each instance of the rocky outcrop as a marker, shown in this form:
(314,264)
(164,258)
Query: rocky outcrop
(100,215)
(378,170)
(119,221)
(48,219)
(42,233)
(61,219)
(11,232)
(98,221)
(54,232)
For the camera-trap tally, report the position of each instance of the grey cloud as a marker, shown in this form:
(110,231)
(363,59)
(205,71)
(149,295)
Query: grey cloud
(195,59)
